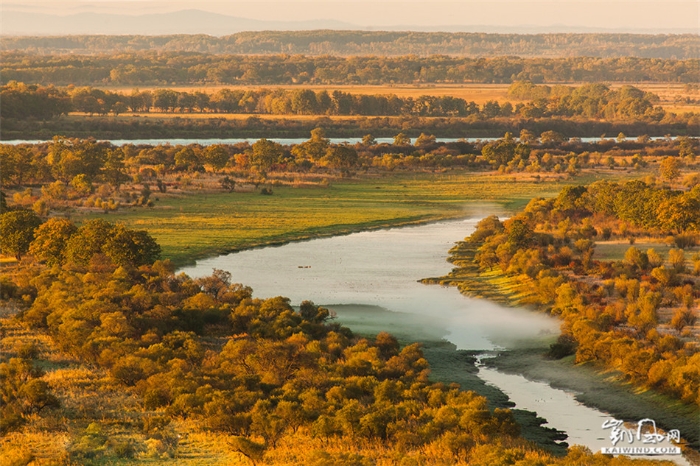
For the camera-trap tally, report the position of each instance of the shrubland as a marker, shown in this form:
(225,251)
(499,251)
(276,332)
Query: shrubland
(202,360)
(636,316)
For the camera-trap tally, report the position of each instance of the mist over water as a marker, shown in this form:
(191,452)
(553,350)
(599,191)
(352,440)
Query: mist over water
(370,280)
(382,268)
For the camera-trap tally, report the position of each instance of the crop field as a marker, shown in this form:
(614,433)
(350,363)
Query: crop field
(680,109)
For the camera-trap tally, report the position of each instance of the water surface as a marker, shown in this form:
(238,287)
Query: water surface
(381,268)
(356,273)
(284,141)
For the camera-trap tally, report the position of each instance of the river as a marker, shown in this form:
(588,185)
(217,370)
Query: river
(284,141)
(381,269)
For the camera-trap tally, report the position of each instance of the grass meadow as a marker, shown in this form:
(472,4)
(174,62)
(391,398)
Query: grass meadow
(197,225)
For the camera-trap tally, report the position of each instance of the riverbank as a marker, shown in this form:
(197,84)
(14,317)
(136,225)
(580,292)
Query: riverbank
(602,390)
(197,225)
(447,364)
(594,386)
(253,126)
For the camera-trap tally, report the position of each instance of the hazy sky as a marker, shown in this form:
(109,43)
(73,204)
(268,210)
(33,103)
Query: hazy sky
(615,14)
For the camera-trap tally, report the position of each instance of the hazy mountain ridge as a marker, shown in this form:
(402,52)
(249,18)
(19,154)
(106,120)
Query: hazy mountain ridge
(178,22)
(20,22)
(387,43)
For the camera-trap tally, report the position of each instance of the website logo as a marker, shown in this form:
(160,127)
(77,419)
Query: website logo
(644,440)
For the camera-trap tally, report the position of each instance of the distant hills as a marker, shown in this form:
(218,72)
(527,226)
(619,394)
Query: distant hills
(355,42)
(18,22)
(178,22)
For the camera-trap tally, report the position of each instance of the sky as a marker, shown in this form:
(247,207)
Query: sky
(608,14)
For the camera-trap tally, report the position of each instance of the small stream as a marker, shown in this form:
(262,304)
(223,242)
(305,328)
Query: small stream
(351,274)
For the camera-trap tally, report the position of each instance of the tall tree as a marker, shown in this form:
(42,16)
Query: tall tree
(50,240)
(670,168)
(264,155)
(17,231)
(314,148)
(341,157)
(216,156)
(131,247)
(113,170)
(88,241)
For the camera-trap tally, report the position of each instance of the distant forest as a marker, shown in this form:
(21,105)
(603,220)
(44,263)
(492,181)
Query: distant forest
(184,68)
(346,43)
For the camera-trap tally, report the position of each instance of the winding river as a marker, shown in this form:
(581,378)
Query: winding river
(356,273)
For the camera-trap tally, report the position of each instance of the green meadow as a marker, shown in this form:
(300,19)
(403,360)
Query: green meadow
(197,225)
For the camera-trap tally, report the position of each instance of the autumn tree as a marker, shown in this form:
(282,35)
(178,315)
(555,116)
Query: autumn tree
(313,149)
(216,156)
(683,318)
(677,259)
(88,241)
(424,140)
(342,157)
(113,169)
(264,155)
(50,240)
(131,247)
(504,150)
(680,213)
(17,231)
(187,158)
(685,147)
(15,164)
(228,183)
(670,168)
(401,140)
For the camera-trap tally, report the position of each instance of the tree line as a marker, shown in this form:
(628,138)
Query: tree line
(592,101)
(74,173)
(173,68)
(254,127)
(680,46)
(77,164)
